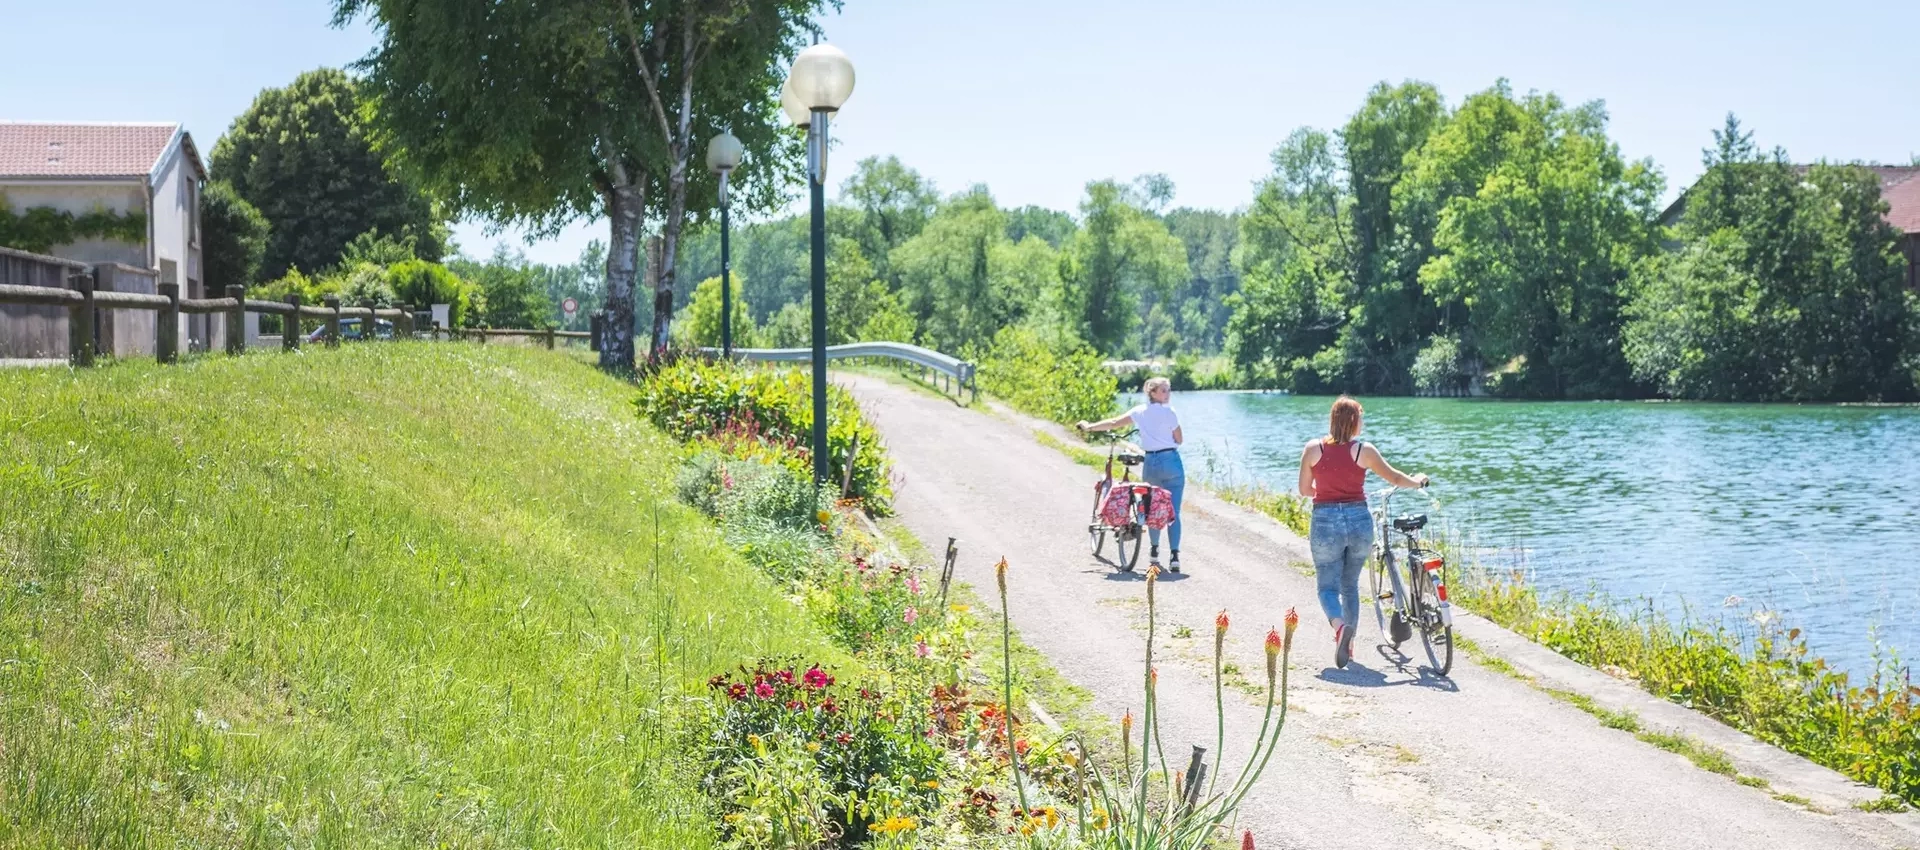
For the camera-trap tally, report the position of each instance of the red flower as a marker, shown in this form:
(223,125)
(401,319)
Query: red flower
(785,676)
(829,706)
(1220,622)
(737,691)
(866,694)
(1021,746)
(843,739)
(1246,840)
(796,705)
(719,681)
(763,690)
(816,678)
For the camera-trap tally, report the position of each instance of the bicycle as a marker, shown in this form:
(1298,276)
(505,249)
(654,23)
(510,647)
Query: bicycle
(1128,537)
(1426,608)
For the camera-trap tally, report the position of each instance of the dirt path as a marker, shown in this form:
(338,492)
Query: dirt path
(1377,755)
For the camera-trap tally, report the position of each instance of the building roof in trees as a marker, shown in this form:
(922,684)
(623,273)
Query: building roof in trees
(36,150)
(1899,187)
(1903,202)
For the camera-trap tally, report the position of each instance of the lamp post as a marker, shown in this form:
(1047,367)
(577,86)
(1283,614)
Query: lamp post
(821,80)
(723,156)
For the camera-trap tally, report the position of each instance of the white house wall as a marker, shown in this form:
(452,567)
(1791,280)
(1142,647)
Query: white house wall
(80,199)
(176,204)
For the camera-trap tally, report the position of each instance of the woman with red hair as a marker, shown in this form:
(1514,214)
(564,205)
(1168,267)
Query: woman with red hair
(1333,473)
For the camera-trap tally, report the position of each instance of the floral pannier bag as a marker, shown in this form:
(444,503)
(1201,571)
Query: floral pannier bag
(1113,508)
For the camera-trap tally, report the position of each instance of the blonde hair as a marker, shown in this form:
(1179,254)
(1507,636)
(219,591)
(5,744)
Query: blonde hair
(1151,383)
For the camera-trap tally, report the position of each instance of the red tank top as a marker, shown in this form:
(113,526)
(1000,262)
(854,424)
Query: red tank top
(1337,477)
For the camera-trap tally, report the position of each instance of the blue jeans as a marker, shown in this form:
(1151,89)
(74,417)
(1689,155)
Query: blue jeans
(1341,539)
(1163,469)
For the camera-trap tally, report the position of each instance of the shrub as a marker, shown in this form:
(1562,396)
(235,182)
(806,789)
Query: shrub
(864,606)
(863,742)
(1062,381)
(746,406)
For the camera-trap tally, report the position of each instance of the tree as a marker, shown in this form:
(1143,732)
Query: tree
(700,321)
(1052,226)
(303,157)
(1200,304)
(962,280)
(1119,254)
(510,293)
(1540,251)
(1788,286)
(894,203)
(539,112)
(234,237)
(423,284)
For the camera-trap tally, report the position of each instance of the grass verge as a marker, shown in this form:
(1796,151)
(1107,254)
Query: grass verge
(385,596)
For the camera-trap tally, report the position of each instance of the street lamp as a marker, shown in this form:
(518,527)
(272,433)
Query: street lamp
(723,156)
(821,80)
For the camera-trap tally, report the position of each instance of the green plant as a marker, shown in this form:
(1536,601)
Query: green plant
(1152,806)
(1065,382)
(778,797)
(739,406)
(38,230)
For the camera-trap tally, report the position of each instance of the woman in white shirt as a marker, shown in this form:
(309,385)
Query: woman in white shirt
(1160,437)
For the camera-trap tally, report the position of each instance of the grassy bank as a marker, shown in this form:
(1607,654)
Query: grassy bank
(388,596)
(1755,674)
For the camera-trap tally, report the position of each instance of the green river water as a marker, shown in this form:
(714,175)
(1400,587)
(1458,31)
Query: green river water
(1807,512)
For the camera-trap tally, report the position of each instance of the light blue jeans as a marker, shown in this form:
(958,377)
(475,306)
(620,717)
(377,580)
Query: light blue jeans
(1341,539)
(1163,469)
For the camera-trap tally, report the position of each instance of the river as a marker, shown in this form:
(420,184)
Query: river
(1720,510)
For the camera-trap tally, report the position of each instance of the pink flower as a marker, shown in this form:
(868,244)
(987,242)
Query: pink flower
(920,649)
(815,679)
(763,690)
(913,585)
(910,616)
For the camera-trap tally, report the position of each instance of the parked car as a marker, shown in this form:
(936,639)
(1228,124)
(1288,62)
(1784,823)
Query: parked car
(350,329)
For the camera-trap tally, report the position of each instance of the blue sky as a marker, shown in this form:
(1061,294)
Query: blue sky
(1037,98)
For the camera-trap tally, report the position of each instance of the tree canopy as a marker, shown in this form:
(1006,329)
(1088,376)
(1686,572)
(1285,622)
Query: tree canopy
(304,157)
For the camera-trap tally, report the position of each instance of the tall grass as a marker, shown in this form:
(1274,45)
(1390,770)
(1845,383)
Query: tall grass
(387,596)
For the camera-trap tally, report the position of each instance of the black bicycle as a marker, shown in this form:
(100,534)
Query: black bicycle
(1421,601)
(1127,536)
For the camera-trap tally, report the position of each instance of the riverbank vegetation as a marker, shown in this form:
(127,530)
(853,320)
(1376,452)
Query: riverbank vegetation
(1755,673)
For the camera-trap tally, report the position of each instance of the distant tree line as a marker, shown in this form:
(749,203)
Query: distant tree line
(1502,245)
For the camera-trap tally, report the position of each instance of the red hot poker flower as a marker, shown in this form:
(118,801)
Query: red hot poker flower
(1246,840)
(1220,622)
(1293,622)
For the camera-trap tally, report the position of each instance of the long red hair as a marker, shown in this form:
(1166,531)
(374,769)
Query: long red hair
(1343,422)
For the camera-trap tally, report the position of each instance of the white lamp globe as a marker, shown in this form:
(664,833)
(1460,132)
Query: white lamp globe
(822,77)
(797,112)
(723,153)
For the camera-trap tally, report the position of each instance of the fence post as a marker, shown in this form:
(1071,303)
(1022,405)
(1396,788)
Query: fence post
(597,325)
(237,320)
(166,341)
(80,321)
(290,326)
(333,320)
(549,339)
(367,331)
(403,329)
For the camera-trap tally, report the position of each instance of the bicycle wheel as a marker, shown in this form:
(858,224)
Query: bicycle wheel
(1127,543)
(1382,562)
(1096,536)
(1435,633)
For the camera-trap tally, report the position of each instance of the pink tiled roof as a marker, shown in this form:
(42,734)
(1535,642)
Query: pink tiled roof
(48,150)
(1903,204)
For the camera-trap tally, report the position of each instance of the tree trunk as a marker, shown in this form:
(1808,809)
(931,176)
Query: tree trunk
(670,227)
(625,206)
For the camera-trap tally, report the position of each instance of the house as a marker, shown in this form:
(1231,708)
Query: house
(134,192)
(1899,187)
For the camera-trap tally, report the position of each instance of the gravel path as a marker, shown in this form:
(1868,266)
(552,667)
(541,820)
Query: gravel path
(1376,755)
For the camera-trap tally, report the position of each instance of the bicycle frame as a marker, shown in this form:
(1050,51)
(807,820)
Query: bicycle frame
(1419,556)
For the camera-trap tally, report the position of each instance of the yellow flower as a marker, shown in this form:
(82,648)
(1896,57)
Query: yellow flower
(823,517)
(735,817)
(813,746)
(932,783)
(894,824)
(960,609)
(1099,818)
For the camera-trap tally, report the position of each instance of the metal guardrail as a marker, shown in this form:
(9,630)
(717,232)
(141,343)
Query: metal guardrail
(959,372)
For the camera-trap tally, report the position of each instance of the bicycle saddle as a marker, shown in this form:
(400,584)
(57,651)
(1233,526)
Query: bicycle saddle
(1410,523)
(1131,458)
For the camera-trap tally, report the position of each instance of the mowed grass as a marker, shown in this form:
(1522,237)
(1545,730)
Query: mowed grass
(394,595)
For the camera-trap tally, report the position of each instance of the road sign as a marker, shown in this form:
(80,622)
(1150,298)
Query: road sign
(570,306)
